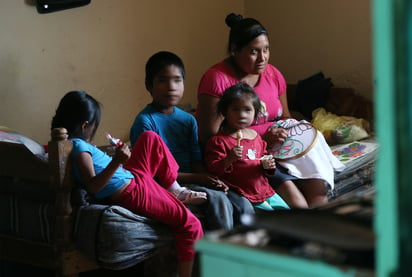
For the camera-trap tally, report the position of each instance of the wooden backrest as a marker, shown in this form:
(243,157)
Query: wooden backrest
(61,182)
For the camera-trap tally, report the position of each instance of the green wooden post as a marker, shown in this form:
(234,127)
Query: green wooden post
(403,36)
(386,220)
(392,34)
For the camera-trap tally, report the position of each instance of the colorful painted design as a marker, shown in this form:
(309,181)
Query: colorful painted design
(354,150)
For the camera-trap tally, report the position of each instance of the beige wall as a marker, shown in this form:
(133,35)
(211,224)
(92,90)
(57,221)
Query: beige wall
(102,48)
(332,36)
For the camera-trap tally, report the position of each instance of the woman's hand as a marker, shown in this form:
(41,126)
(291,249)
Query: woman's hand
(275,135)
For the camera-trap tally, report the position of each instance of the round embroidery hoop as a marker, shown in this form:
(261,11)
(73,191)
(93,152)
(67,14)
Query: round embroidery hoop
(301,138)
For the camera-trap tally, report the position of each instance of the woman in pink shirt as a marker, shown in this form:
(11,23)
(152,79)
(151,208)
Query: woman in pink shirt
(247,62)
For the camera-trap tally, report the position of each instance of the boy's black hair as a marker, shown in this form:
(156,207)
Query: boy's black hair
(234,93)
(243,31)
(74,109)
(157,62)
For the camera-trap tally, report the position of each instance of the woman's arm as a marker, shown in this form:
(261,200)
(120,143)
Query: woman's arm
(275,135)
(209,119)
(284,101)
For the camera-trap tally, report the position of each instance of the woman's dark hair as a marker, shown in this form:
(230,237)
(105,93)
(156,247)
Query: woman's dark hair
(236,92)
(74,109)
(158,62)
(242,31)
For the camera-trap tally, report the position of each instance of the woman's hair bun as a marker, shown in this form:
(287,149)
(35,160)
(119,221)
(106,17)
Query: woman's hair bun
(232,19)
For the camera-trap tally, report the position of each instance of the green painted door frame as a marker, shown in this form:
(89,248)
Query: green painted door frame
(392,62)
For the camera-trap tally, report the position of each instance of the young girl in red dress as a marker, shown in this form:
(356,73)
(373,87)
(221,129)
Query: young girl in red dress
(238,155)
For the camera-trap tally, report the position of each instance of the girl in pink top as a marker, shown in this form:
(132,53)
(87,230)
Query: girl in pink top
(237,154)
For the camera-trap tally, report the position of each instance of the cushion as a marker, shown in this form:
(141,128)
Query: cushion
(9,135)
(339,129)
(312,93)
(117,238)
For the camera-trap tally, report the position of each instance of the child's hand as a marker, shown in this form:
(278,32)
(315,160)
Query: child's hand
(236,152)
(217,184)
(122,154)
(268,162)
(233,155)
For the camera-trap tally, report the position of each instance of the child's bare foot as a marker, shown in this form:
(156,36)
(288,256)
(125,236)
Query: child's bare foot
(190,197)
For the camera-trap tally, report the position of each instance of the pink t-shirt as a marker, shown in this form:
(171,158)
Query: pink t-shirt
(269,88)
